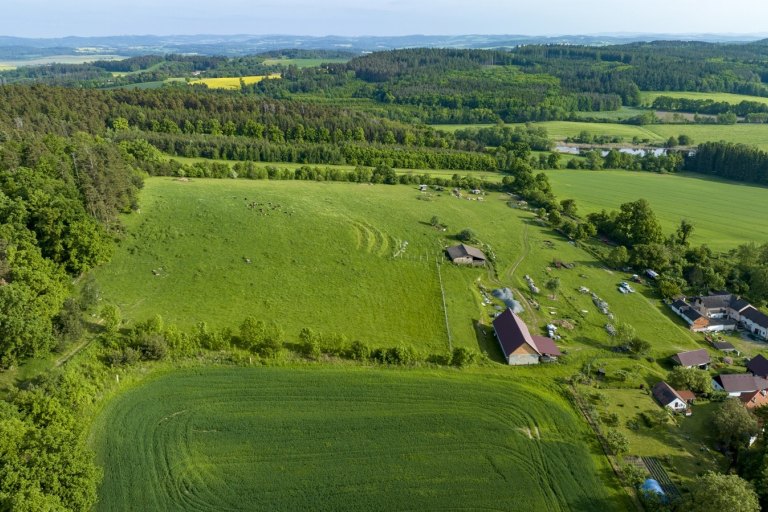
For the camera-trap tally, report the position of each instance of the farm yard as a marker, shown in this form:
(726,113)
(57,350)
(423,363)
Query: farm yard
(707,203)
(355,438)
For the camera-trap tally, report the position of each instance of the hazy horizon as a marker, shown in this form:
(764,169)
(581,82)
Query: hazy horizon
(103,18)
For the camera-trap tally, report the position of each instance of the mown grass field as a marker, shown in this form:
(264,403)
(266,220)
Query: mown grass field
(725,214)
(648,97)
(347,439)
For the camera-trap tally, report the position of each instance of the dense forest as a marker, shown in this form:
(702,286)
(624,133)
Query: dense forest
(526,83)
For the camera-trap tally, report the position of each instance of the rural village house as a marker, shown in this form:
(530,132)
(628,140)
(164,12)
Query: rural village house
(721,312)
(693,359)
(517,343)
(466,255)
(737,383)
(668,397)
(754,399)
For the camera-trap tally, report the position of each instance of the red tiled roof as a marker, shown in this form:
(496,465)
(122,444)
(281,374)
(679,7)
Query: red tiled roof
(665,394)
(546,346)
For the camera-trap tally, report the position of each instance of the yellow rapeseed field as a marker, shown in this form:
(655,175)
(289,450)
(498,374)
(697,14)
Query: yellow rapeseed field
(232,82)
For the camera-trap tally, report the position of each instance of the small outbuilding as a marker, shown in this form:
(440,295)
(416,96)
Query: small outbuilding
(466,255)
(725,346)
(693,359)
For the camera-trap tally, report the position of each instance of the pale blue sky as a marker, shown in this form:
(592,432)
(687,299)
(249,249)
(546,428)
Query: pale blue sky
(55,18)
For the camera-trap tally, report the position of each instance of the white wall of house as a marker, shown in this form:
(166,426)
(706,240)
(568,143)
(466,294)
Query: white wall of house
(522,359)
(677,405)
(719,328)
(754,328)
(680,314)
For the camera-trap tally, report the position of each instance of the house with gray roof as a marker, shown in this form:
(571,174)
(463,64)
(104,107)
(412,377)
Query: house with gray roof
(755,321)
(737,383)
(466,255)
(693,359)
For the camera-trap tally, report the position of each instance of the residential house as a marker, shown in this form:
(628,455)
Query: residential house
(758,366)
(693,359)
(754,399)
(517,343)
(737,383)
(466,255)
(695,320)
(755,321)
(668,397)
(721,312)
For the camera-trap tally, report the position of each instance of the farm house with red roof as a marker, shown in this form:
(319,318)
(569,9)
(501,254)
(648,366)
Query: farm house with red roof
(517,343)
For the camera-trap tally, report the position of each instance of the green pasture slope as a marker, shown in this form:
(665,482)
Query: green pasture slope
(324,258)
(725,214)
(331,256)
(347,439)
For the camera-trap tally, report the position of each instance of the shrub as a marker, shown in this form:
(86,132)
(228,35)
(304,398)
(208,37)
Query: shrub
(461,357)
(466,235)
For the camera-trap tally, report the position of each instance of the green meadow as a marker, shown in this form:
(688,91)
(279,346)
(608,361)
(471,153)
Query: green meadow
(360,260)
(647,97)
(328,438)
(334,257)
(725,214)
(752,134)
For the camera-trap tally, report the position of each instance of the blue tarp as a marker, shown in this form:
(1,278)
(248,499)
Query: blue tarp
(505,295)
(652,486)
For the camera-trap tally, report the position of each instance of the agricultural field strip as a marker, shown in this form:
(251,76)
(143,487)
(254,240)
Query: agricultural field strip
(648,97)
(242,437)
(707,203)
(752,134)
